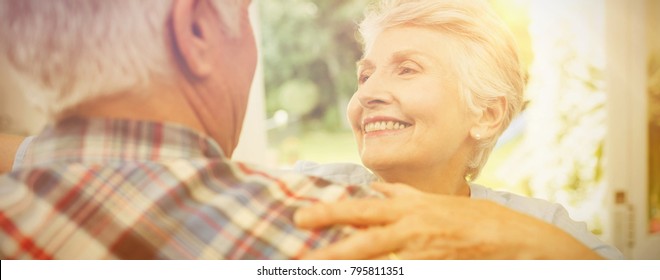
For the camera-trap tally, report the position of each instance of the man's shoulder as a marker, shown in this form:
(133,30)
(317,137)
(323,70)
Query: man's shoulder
(219,172)
(207,199)
(311,186)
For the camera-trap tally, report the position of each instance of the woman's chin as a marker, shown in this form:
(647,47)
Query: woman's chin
(380,163)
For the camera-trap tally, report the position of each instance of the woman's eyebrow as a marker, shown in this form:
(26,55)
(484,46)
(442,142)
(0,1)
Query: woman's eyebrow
(364,63)
(396,57)
(406,55)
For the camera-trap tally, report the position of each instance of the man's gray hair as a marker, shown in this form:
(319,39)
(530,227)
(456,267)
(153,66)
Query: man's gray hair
(65,52)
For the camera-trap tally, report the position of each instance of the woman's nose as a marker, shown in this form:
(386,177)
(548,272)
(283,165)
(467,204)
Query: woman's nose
(373,93)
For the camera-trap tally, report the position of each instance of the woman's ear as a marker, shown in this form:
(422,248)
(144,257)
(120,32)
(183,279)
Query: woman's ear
(489,122)
(191,28)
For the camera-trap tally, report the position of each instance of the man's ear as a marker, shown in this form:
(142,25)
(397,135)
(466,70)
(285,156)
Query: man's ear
(489,122)
(192,29)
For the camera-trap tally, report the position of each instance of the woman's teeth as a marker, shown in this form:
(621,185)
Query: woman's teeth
(377,126)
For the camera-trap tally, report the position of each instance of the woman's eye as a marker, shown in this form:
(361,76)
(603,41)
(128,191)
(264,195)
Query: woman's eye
(363,78)
(406,70)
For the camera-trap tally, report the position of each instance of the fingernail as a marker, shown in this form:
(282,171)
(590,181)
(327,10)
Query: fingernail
(300,217)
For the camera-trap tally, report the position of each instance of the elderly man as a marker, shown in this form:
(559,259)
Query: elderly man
(147,100)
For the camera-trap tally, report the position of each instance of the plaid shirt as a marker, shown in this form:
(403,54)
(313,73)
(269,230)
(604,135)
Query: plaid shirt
(118,189)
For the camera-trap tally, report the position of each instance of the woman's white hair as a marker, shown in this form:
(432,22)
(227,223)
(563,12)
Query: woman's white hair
(65,52)
(486,62)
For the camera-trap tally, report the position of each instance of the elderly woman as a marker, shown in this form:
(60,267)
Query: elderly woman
(439,82)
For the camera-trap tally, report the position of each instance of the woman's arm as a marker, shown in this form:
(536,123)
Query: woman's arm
(410,224)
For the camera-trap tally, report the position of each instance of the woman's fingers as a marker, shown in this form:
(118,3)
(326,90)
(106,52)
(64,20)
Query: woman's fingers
(373,243)
(357,212)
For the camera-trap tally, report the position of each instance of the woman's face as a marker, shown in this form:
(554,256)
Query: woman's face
(407,112)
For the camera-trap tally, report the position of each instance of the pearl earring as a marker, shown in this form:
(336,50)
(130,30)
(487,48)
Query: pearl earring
(477,136)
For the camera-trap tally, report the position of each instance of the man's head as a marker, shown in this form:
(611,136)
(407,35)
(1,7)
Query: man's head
(67,54)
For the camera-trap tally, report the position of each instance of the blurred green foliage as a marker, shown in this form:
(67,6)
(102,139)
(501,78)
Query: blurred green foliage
(309,49)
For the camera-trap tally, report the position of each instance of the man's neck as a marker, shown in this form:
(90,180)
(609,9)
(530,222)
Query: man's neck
(156,104)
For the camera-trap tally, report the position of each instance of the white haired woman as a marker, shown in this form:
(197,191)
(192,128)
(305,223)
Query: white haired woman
(438,84)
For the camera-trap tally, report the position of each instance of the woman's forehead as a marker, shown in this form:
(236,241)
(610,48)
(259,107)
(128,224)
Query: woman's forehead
(401,42)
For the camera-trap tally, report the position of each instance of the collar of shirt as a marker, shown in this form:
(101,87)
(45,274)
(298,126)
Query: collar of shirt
(92,141)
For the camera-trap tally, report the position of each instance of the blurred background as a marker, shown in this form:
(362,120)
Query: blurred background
(588,139)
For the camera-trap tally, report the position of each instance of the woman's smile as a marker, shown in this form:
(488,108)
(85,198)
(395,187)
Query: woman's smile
(379,126)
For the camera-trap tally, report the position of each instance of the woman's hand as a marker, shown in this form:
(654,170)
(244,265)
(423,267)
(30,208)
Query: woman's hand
(410,224)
